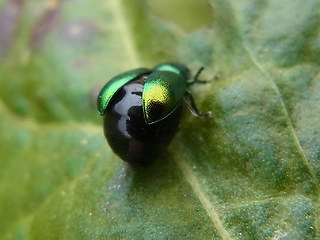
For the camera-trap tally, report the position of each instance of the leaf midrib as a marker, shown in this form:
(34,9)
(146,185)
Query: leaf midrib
(127,37)
(204,200)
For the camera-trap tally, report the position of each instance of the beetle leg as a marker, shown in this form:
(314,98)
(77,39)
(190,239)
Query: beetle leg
(189,102)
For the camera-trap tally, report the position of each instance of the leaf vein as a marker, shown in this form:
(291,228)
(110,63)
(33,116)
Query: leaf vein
(124,28)
(207,205)
(34,125)
(289,122)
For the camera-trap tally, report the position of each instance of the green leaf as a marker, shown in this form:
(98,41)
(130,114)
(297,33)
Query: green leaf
(251,172)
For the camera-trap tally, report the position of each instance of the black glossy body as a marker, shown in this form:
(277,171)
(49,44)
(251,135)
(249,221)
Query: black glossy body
(127,132)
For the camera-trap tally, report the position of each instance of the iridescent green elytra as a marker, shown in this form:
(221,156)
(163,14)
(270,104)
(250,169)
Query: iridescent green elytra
(142,108)
(112,86)
(162,93)
(165,87)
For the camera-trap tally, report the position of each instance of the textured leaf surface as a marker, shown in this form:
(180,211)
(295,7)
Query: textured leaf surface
(252,172)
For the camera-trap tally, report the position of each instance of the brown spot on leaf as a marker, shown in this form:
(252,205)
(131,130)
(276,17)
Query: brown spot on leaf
(44,25)
(9,18)
(80,63)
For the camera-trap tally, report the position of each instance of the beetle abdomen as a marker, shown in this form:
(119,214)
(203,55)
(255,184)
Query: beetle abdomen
(127,132)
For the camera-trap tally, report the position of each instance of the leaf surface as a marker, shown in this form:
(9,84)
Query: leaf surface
(251,172)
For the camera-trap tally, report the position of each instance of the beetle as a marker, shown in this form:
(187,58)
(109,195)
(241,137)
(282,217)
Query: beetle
(141,110)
